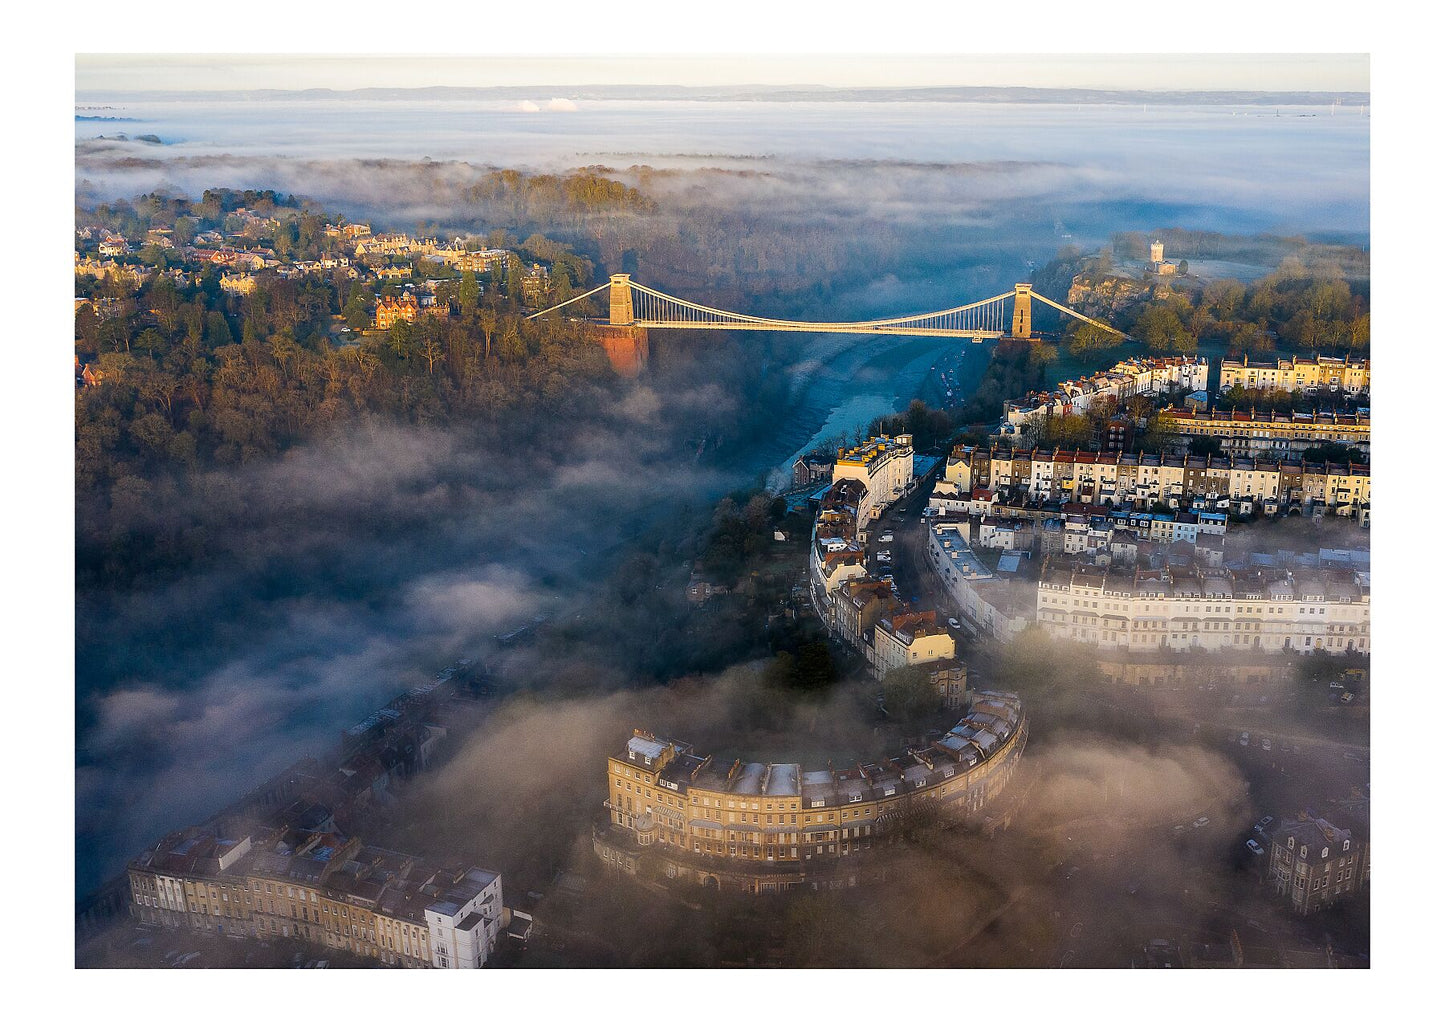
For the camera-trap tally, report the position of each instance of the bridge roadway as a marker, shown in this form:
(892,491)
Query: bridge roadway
(791,326)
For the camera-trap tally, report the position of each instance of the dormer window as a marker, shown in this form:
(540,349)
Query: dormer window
(1324,853)
(1347,845)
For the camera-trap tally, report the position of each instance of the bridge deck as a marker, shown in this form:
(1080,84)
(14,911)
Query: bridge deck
(807,328)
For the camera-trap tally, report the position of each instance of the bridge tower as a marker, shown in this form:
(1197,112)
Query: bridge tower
(621,300)
(1023,303)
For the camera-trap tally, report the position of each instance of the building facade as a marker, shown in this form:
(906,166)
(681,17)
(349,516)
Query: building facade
(951,684)
(1126,379)
(1311,375)
(761,827)
(322,888)
(906,639)
(1207,609)
(1254,433)
(1313,864)
(1143,480)
(989,605)
(884,465)
(392,310)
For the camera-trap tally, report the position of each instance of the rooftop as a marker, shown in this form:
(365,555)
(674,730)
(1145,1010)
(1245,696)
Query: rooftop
(875,448)
(993,718)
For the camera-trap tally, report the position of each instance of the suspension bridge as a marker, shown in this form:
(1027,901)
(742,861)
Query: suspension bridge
(631,304)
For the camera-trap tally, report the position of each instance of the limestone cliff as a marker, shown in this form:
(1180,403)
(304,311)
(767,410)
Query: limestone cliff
(1105,296)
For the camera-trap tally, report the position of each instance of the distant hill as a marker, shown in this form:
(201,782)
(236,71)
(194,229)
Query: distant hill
(768,93)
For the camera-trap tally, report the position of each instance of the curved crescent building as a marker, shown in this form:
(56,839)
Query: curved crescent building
(758,827)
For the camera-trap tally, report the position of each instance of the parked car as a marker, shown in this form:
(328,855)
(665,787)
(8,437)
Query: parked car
(1202,821)
(1244,738)
(953,623)
(1259,828)
(887,537)
(1254,846)
(1265,745)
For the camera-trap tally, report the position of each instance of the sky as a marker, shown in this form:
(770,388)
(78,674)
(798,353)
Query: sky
(1151,71)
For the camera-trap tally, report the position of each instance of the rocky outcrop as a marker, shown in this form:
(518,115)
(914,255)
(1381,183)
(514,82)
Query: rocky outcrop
(1103,297)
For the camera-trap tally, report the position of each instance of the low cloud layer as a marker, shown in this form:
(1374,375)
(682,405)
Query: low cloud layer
(335,577)
(951,163)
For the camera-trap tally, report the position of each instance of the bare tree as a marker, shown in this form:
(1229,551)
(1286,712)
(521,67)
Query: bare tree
(432,351)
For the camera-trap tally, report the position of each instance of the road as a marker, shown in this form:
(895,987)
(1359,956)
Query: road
(916,583)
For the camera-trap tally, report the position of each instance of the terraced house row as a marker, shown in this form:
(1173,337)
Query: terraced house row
(884,467)
(1142,480)
(1126,379)
(1310,375)
(851,603)
(761,827)
(1206,609)
(322,888)
(1251,433)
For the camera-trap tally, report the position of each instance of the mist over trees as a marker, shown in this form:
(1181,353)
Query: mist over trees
(279,526)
